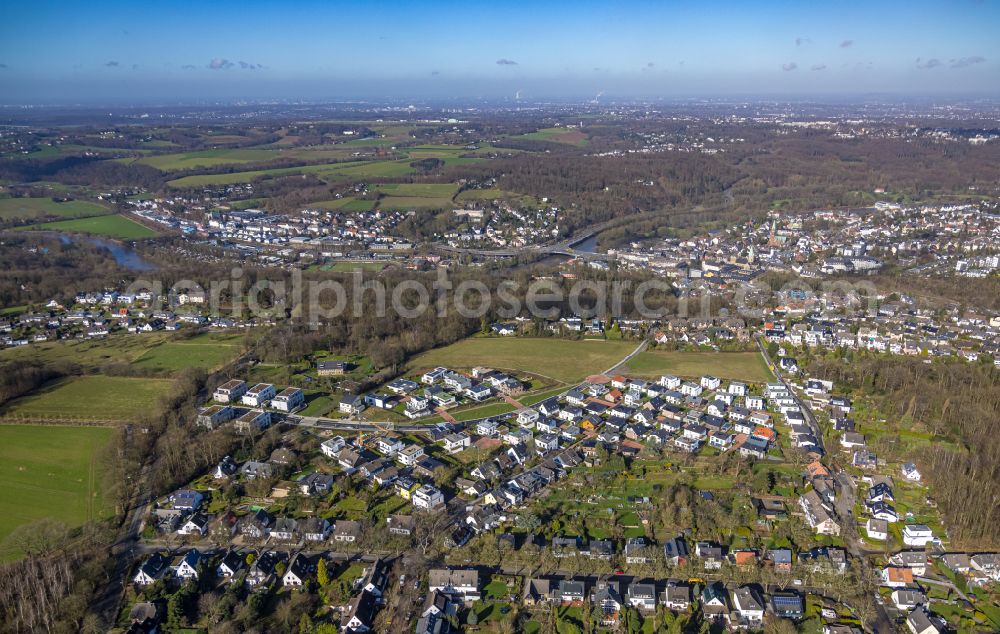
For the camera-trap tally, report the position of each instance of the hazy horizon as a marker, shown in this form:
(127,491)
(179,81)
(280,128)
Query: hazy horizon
(122,53)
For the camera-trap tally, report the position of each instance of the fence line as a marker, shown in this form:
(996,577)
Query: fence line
(59,419)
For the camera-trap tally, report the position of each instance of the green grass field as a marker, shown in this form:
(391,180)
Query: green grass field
(17,208)
(557,135)
(209,351)
(208,158)
(418,190)
(238,156)
(113,226)
(93,397)
(742,366)
(336,172)
(559,359)
(490,194)
(414,202)
(347,267)
(49,472)
(91,354)
(344,204)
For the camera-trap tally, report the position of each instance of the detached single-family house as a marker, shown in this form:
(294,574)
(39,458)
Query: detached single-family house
(352,404)
(676,597)
(151,570)
(642,596)
(462,584)
(917,535)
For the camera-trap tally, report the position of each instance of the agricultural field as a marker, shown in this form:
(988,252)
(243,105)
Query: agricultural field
(90,354)
(418,190)
(470,195)
(208,158)
(557,135)
(337,171)
(402,203)
(209,351)
(19,208)
(347,267)
(112,226)
(52,472)
(557,359)
(238,156)
(346,204)
(92,397)
(739,366)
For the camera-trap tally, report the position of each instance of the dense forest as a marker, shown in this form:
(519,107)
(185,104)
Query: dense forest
(959,403)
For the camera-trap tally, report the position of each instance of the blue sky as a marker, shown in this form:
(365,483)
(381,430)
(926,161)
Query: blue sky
(135,51)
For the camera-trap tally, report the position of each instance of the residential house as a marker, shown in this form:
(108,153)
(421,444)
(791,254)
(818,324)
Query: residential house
(315,529)
(607,601)
(749,606)
(151,570)
(285,529)
(908,599)
(253,421)
(919,621)
(715,602)
(331,368)
(427,497)
(230,391)
(346,531)
(570,592)
(231,564)
(818,515)
(536,591)
(301,569)
(352,404)
(331,447)
(185,566)
(917,535)
(289,400)
(676,596)
(258,395)
(787,605)
(639,551)
(642,596)
(460,583)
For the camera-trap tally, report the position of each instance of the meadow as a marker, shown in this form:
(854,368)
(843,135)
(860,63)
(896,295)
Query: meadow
(402,203)
(418,190)
(92,397)
(112,226)
(562,360)
(208,158)
(740,366)
(238,156)
(557,135)
(18,208)
(210,351)
(337,171)
(344,204)
(90,354)
(49,472)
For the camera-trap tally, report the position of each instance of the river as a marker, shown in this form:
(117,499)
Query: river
(123,254)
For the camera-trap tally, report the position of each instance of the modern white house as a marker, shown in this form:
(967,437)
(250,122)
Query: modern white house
(910,472)
(332,446)
(427,497)
(258,395)
(877,529)
(230,391)
(917,535)
(289,399)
